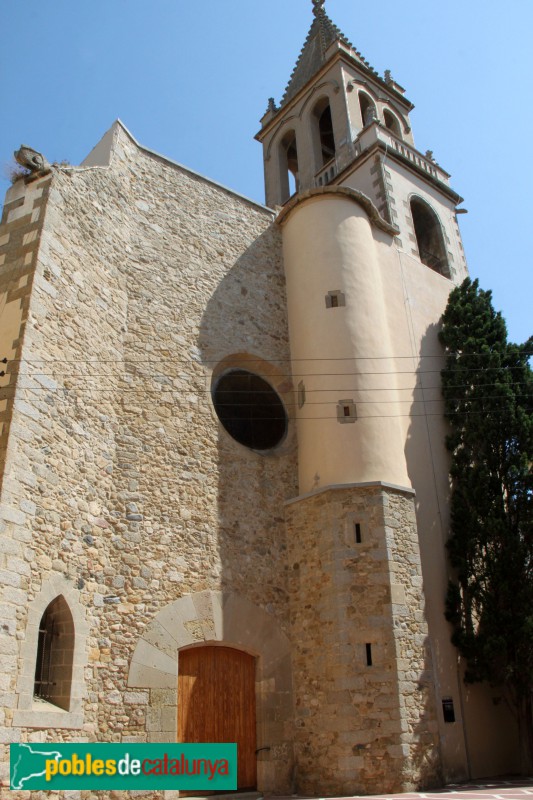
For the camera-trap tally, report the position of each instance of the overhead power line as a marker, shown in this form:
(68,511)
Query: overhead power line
(251,360)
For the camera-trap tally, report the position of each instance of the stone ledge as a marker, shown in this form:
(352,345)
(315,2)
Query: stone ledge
(48,719)
(365,485)
(355,195)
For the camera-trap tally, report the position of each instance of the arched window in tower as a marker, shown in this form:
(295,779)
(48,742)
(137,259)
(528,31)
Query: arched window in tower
(392,123)
(368,109)
(55,651)
(429,237)
(290,182)
(324,132)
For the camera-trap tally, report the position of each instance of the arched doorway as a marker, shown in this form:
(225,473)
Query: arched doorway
(216,703)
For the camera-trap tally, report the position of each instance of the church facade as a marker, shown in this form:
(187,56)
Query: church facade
(224,492)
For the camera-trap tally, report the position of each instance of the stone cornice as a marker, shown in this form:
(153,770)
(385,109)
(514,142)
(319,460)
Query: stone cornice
(386,151)
(335,487)
(344,191)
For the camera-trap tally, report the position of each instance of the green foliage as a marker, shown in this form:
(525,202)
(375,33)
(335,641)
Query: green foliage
(488,393)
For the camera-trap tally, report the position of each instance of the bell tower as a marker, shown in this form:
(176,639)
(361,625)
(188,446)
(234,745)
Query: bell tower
(339,123)
(371,250)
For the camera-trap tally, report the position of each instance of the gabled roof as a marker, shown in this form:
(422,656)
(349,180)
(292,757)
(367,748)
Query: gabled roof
(322,34)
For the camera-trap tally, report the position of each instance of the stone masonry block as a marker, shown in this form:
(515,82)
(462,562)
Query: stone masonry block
(12,515)
(136,698)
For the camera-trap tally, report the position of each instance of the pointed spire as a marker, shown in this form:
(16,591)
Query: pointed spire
(322,34)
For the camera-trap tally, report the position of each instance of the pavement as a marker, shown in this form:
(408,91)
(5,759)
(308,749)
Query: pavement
(520,788)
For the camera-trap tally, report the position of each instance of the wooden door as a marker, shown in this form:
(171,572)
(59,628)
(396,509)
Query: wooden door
(216,703)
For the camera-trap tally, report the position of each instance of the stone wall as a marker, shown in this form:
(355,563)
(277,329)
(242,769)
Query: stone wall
(20,231)
(119,479)
(364,711)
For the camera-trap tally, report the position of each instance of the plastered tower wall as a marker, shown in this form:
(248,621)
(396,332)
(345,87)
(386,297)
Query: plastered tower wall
(122,492)
(342,353)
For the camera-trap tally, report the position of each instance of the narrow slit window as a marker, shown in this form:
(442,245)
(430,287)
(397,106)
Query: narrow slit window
(368,654)
(346,411)
(335,299)
(358,538)
(448,709)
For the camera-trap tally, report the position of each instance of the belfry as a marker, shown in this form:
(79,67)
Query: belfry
(224,516)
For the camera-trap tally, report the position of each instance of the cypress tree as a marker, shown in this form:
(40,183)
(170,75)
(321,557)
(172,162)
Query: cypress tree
(488,392)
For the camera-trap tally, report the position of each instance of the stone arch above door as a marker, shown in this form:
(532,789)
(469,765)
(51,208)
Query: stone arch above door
(213,617)
(199,619)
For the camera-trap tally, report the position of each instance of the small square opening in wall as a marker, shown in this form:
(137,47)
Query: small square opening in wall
(448,709)
(335,299)
(346,411)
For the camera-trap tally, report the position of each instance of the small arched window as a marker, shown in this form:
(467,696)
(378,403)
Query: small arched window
(368,109)
(290,179)
(392,123)
(55,652)
(429,237)
(324,131)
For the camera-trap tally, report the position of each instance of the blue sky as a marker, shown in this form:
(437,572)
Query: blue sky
(192,79)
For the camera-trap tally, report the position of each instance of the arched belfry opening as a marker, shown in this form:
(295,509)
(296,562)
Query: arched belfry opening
(368,109)
(55,651)
(392,123)
(324,138)
(429,237)
(289,169)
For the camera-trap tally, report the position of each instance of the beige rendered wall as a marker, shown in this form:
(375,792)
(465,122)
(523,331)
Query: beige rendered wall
(341,353)
(403,185)
(487,728)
